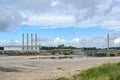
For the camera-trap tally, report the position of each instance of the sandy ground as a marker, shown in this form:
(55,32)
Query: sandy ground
(33,68)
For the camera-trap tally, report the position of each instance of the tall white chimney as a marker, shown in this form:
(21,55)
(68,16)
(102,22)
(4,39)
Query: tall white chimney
(36,41)
(31,41)
(27,41)
(23,42)
(108,42)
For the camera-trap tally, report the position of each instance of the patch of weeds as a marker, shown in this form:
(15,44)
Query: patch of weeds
(62,78)
(60,68)
(11,69)
(109,71)
(30,65)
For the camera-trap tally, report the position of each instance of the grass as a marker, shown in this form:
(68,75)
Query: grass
(109,71)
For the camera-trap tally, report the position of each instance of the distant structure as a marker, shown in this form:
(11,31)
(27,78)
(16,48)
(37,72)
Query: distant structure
(29,47)
(27,42)
(108,42)
(23,41)
(31,41)
(36,41)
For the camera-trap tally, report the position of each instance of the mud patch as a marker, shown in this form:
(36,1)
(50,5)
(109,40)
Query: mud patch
(11,69)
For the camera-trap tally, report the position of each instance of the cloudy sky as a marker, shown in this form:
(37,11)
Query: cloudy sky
(81,23)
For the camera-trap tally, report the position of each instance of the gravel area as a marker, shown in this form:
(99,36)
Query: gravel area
(33,68)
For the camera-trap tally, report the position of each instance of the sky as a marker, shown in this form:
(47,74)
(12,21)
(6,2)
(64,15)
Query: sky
(79,23)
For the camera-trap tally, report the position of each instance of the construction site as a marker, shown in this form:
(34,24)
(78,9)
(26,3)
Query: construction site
(30,61)
(30,46)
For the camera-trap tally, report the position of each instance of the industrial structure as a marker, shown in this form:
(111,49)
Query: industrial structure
(28,44)
(108,41)
(33,47)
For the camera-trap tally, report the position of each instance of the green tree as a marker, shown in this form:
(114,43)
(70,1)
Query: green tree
(1,48)
(61,46)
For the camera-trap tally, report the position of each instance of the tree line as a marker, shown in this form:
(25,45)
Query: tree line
(58,47)
(1,48)
(62,46)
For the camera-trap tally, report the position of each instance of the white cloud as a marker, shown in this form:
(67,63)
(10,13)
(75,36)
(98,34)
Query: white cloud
(54,3)
(58,41)
(60,13)
(9,19)
(76,40)
(10,42)
(96,41)
(117,41)
(49,20)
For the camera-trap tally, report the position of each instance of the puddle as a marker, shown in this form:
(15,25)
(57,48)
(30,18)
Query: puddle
(59,57)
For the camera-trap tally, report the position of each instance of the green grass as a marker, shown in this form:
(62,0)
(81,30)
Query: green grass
(109,71)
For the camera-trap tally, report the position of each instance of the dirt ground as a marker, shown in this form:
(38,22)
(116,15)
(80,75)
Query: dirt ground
(33,68)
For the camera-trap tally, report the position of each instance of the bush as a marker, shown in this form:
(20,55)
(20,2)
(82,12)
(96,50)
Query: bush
(115,76)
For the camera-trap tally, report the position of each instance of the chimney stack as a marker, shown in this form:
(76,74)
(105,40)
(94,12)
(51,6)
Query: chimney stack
(29,46)
(27,41)
(31,41)
(36,41)
(23,41)
(108,42)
